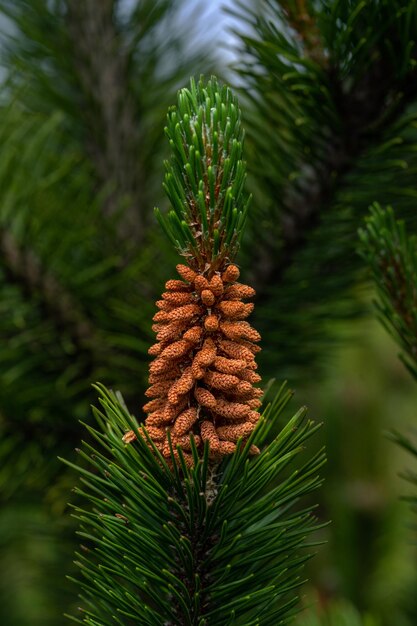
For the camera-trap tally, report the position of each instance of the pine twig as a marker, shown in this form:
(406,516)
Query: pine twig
(366,112)
(392,257)
(189,528)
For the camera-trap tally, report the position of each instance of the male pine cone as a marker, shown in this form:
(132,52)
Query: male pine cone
(202,379)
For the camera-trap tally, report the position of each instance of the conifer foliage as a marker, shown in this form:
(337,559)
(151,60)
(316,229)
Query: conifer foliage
(391,254)
(330,92)
(182,523)
(84,91)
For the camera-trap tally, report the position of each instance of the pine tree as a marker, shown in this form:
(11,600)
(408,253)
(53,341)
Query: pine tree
(329,109)
(180,524)
(318,108)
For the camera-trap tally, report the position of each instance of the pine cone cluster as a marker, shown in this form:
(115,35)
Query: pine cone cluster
(203,375)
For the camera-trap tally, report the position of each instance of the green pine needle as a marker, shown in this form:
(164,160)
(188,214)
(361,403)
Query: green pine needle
(205,177)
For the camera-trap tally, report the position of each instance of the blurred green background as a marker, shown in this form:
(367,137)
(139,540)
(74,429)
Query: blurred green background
(85,87)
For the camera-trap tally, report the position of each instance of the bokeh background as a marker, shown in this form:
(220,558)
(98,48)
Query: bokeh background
(84,91)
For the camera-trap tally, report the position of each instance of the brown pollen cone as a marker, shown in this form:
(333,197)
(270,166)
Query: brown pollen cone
(203,375)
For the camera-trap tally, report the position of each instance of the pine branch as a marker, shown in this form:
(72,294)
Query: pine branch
(54,191)
(326,128)
(359,112)
(205,177)
(202,380)
(392,257)
(192,546)
(194,520)
(52,345)
(112,70)
(375,101)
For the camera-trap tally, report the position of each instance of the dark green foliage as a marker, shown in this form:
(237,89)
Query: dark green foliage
(112,71)
(331,120)
(87,90)
(392,257)
(408,442)
(83,102)
(56,272)
(206,175)
(58,267)
(212,545)
(33,549)
(330,130)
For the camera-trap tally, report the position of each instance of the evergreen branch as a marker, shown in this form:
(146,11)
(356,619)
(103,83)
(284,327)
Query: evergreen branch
(392,257)
(52,345)
(192,530)
(53,196)
(328,129)
(192,546)
(361,114)
(202,381)
(112,70)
